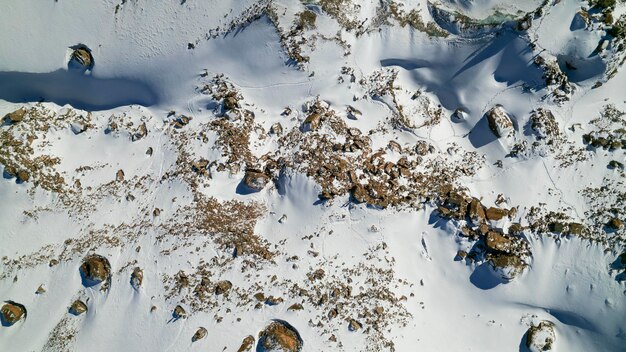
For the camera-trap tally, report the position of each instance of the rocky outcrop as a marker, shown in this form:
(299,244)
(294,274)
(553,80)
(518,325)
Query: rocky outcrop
(279,337)
(222,287)
(82,58)
(11,313)
(15,116)
(541,338)
(507,266)
(312,122)
(499,121)
(179,312)
(95,269)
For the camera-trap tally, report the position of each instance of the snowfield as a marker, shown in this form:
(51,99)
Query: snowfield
(322,175)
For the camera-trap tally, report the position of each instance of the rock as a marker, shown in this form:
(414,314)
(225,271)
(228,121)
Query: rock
(136,278)
(312,122)
(506,266)
(149,151)
(495,214)
(354,325)
(576,228)
(541,337)
(276,129)
(231,102)
(359,194)
(78,307)
(460,115)
(81,57)
(622,258)
(179,312)
(498,242)
(476,212)
(11,313)
(199,335)
(615,223)
(142,131)
(499,121)
(255,180)
(119,176)
(273,301)
(40,290)
(78,128)
(279,337)
(223,287)
(247,344)
(10,171)
(95,269)
(23,176)
(15,116)
(295,306)
(53,262)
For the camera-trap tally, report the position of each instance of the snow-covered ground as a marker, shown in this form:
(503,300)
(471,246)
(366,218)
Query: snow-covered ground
(363,123)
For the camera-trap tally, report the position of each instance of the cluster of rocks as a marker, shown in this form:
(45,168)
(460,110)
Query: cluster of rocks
(604,141)
(507,253)
(541,337)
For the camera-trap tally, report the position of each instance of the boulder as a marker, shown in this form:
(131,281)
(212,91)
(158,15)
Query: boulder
(496,241)
(279,337)
(78,307)
(179,312)
(82,58)
(476,212)
(541,337)
(136,278)
(15,116)
(11,313)
(247,344)
(506,266)
(312,122)
(615,223)
(499,121)
(23,176)
(495,214)
(255,180)
(199,335)
(223,287)
(354,325)
(95,269)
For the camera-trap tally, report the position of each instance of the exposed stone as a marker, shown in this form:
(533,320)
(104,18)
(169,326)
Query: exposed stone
(53,262)
(231,102)
(199,335)
(279,337)
(276,129)
(354,325)
(136,278)
(223,287)
(476,212)
(12,312)
(255,180)
(247,344)
(506,266)
(541,338)
(312,122)
(495,214)
(23,176)
(615,223)
(179,312)
(95,269)
(40,290)
(119,176)
(499,121)
(82,56)
(498,242)
(78,307)
(15,116)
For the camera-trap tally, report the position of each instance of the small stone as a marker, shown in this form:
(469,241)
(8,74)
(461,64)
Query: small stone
(15,116)
(354,325)
(95,269)
(149,151)
(312,122)
(40,290)
(23,176)
(541,338)
(295,306)
(276,129)
(496,214)
(53,262)
(119,176)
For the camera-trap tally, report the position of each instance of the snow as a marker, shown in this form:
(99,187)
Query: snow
(143,69)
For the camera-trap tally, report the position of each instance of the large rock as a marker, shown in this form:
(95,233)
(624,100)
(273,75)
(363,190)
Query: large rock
(476,212)
(506,266)
(15,116)
(82,58)
(247,344)
(200,334)
(541,337)
(136,278)
(11,313)
(495,214)
(255,180)
(279,337)
(496,241)
(95,269)
(78,307)
(499,121)
(223,287)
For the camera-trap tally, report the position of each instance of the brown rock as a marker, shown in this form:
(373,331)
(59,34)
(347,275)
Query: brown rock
(179,312)
(223,287)
(499,121)
(615,223)
(497,242)
(476,212)
(78,307)
(496,214)
(83,57)
(119,176)
(136,278)
(199,335)
(247,344)
(255,180)
(354,325)
(279,336)
(12,312)
(15,116)
(23,176)
(95,269)
(295,306)
(312,122)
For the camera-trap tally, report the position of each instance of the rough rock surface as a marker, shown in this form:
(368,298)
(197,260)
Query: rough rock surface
(11,313)
(279,337)
(541,337)
(499,121)
(95,269)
